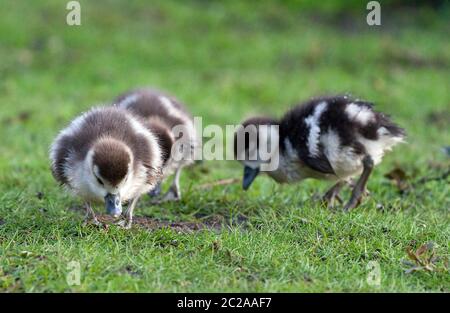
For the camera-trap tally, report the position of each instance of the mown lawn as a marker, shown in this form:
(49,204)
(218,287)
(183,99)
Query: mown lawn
(226,61)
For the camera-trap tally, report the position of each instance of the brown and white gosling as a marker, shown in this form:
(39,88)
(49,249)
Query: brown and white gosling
(173,126)
(107,155)
(331,138)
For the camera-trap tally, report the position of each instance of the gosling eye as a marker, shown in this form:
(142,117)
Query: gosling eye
(99,181)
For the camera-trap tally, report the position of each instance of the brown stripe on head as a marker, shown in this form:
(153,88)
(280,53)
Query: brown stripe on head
(112,157)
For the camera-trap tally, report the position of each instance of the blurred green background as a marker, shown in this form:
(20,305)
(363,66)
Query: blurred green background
(226,60)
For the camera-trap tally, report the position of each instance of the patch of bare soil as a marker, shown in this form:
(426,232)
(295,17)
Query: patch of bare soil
(213,222)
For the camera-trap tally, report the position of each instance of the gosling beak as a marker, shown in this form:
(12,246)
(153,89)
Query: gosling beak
(249,176)
(113,205)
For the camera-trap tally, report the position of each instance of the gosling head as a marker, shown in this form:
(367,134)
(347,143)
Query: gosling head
(110,167)
(256,147)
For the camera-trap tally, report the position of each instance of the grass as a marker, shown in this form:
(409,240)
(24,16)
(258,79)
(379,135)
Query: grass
(226,61)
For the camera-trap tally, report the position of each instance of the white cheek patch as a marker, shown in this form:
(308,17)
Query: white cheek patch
(96,171)
(361,114)
(312,122)
(83,182)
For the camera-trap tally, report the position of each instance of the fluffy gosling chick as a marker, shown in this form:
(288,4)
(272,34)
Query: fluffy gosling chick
(107,155)
(332,138)
(173,126)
